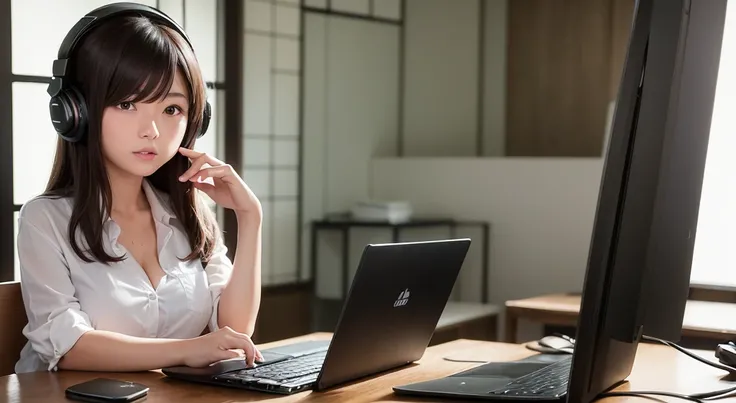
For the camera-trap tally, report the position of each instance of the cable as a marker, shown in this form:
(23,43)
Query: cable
(730,370)
(456,360)
(696,397)
(717,394)
(647,393)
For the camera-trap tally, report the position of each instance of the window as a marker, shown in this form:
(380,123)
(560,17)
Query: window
(16,265)
(713,258)
(272,131)
(41,25)
(54,18)
(389,10)
(34,136)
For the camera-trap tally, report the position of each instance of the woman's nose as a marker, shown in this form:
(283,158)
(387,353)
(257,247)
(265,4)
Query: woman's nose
(149,129)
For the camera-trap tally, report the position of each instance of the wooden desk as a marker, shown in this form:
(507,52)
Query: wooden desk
(459,320)
(703,319)
(656,368)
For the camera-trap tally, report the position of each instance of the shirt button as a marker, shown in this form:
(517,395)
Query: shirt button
(152,297)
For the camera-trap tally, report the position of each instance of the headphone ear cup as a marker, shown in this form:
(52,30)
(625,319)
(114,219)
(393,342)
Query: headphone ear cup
(69,114)
(83,117)
(62,114)
(206,116)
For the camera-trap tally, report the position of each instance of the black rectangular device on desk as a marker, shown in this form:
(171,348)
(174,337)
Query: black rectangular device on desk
(392,309)
(108,390)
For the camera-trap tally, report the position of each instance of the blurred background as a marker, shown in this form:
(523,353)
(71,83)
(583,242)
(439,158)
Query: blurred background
(370,121)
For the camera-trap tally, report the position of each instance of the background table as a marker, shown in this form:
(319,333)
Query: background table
(703,319)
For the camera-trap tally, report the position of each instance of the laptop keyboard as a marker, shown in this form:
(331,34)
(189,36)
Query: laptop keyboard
(285,370)
(550,381)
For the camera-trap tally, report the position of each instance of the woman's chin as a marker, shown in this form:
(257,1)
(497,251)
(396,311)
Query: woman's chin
(144,170)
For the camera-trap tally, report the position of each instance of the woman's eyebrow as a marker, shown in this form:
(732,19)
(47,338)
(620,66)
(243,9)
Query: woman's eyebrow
(176,94)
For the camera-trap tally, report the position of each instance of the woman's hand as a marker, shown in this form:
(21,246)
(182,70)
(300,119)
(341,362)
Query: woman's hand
(220,345)
(228,191)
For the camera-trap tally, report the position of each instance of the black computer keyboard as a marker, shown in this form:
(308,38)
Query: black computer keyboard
(284,370)
(549,381)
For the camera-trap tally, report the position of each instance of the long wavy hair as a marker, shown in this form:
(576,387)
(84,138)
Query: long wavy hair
(129,56)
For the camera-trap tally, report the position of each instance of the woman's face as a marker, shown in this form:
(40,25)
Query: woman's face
(138,138)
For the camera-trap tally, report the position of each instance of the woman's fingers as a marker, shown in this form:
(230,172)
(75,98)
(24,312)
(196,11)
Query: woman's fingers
(237,340)
(207,188)
(219,172)
(250,351)
(196,166)
(192,155)
(189,153)
(244,343)
(227,354)
(199,159)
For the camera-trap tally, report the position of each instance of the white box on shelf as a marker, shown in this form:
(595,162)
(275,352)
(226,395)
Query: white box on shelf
(394,212)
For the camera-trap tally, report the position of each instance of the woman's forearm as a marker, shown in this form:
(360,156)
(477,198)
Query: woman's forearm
(99,350)
(241,298)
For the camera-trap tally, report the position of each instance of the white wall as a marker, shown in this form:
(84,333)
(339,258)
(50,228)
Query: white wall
(541,211)
(350,116)
(449,79)
(441,77)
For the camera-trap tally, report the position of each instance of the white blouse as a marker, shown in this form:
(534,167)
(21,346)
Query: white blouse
(65,297)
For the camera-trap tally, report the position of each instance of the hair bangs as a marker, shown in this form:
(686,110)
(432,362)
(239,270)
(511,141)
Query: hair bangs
(188,66)
(146,71)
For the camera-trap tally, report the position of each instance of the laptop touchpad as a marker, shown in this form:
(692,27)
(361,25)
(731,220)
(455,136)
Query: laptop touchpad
(297,349)
(506,370)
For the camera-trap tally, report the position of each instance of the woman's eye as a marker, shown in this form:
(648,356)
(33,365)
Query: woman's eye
(172,110)
(125,106)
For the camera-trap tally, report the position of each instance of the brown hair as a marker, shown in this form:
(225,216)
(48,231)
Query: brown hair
(129,56)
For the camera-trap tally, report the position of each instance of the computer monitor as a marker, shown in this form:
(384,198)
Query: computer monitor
(638,272)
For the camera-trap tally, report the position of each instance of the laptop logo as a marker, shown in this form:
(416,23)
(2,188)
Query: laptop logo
(403,299)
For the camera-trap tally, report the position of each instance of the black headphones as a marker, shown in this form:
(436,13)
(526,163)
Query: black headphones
(67,105)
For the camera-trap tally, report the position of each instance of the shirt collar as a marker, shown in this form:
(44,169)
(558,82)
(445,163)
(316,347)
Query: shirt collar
(159,202)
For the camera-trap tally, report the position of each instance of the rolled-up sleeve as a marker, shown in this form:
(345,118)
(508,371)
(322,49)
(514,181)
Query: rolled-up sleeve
(55,320)
(218,269)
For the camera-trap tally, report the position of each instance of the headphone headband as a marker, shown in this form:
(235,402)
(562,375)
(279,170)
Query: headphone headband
(97,16)
(67,106)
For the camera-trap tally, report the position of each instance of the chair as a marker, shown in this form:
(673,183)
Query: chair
(13,319)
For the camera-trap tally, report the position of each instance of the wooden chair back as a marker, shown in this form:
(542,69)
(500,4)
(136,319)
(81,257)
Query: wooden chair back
(12,320)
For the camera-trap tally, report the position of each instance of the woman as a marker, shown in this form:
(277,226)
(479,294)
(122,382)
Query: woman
(122,265)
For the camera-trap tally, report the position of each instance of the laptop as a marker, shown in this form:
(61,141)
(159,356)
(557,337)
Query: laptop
(387,321)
